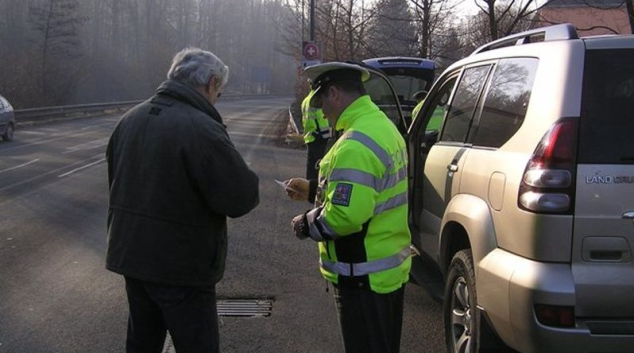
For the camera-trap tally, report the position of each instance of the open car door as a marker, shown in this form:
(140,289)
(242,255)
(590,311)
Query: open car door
(384,96)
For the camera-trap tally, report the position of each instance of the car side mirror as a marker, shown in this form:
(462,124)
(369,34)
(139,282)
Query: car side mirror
(429,139)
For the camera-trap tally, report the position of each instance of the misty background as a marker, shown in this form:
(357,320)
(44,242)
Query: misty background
(57,52)
(63,52)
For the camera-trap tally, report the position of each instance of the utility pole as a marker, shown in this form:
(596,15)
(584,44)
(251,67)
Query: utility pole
(312,20)
(311,52)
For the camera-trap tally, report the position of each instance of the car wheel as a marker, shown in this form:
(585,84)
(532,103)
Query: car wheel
(461,329)
(8,132)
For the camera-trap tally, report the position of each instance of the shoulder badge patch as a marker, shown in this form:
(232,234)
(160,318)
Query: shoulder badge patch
(342,194)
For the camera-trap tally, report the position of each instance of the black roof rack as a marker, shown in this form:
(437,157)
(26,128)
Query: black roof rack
(562,31)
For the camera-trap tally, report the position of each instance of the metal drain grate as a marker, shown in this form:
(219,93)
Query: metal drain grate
(244,307)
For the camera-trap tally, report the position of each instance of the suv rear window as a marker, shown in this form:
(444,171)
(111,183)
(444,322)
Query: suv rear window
(607,108)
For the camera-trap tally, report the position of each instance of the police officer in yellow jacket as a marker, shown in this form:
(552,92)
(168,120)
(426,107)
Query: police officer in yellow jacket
(360,214)
(316,135)
(419,97)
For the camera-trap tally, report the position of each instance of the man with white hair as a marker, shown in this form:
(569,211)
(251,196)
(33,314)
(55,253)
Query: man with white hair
(175,177)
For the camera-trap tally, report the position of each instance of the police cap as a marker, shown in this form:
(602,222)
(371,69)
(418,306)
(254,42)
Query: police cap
(322,74)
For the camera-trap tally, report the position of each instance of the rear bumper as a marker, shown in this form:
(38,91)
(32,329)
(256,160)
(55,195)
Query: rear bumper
(509,286)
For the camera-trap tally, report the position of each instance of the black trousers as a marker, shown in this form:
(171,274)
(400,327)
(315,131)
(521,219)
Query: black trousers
(370,322)
(189,313)
(315,151)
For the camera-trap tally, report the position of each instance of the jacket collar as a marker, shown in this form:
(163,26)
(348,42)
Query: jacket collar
(360,107)
(188,95)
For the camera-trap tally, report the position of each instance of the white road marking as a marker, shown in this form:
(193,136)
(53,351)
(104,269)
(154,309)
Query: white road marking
(88,145)
(29,132)
(82,168)
(19,166)
(54,171)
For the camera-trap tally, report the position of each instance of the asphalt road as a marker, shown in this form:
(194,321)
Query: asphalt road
(56,296)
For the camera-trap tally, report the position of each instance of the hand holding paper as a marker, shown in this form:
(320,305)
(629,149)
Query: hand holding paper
(285,186)
(296,188)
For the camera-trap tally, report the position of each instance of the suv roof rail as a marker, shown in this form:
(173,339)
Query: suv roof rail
(562,31)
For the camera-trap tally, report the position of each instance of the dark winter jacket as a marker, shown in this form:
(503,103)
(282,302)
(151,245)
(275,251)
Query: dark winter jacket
(174,177)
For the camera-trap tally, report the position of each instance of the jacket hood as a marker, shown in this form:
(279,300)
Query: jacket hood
(189,95)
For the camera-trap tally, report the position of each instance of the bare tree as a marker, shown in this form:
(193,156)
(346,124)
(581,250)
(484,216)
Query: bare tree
(56,25)
(393,30)
(104,50)
(16,78)
(505,17)
(449,48)
(342,27)
(438,38)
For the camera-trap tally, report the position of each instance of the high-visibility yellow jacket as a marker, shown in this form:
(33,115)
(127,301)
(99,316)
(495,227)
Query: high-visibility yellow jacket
(436,119)
(360,218)
(417,109)
(313,120)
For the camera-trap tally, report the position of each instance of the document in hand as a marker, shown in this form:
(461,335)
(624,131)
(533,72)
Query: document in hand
(285,186)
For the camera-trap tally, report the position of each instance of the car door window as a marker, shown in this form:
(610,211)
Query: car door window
(506,101)
(384,96)
(462,108)
(439,104)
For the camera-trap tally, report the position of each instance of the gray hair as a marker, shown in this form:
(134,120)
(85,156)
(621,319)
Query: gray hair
(195,67)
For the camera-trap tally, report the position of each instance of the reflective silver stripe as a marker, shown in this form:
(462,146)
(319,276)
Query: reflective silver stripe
(365,268)
(355,176)
(372,146)
(394,179)
(317,221)
(389,180)
(325,133)
(367,179)
(394,202)
(327,232)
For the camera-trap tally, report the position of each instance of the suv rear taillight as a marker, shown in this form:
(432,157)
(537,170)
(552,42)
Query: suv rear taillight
(548,182)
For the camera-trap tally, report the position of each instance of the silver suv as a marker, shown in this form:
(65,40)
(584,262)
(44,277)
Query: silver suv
(522,201)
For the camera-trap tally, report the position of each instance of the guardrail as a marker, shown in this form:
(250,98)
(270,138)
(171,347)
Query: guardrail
(48,114)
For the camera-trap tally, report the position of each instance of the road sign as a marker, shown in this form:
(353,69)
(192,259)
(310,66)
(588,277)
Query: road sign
(311,54)
(311,51)
(307,63)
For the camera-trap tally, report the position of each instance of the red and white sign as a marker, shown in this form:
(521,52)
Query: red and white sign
(311,51)
(311,55)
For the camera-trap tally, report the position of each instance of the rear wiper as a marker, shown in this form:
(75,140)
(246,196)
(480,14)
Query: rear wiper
(627,159)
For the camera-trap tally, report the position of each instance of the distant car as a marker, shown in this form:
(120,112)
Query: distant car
(7,120)
(408,75)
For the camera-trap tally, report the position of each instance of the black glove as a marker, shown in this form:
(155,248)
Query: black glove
(300,226)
